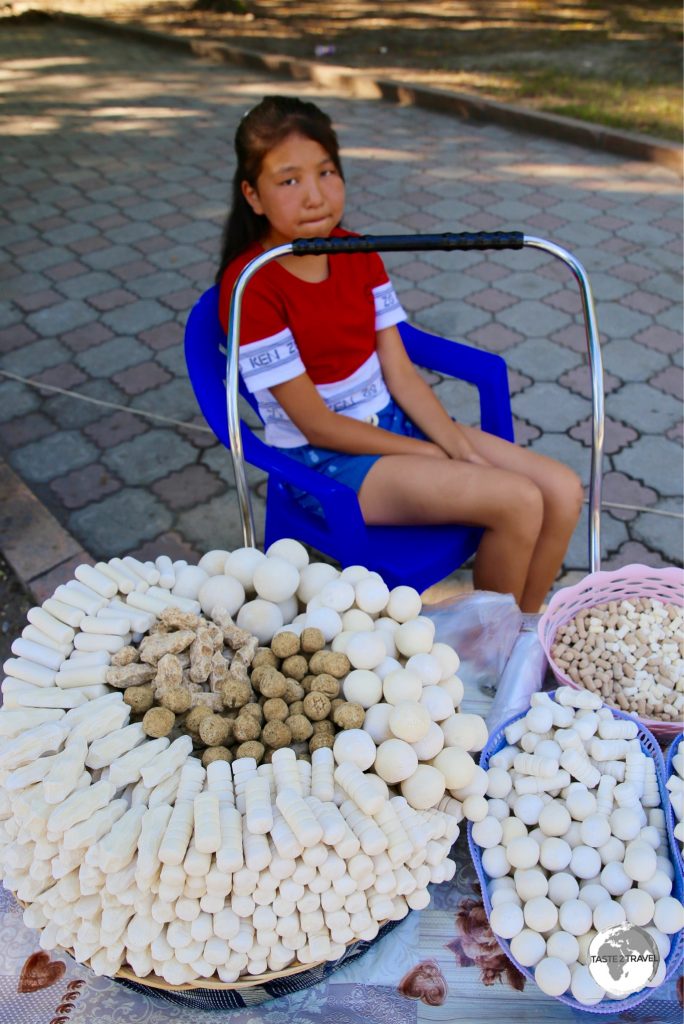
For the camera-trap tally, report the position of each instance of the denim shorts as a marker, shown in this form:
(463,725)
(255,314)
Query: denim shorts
(350,469)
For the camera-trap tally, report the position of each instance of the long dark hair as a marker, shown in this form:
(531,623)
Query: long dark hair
(264,127)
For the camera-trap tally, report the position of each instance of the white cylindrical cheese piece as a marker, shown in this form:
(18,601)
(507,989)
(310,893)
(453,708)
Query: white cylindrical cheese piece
(37,653)
(98,582)
(42,620)
(125,582)
(64,612)
(99,642)
(149,573)
(207,822)
(107,625)
(75,675)
(78,597)
(153,605)
(29,672)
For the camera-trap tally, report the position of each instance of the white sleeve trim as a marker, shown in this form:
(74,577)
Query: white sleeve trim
(388,309)
(270,361)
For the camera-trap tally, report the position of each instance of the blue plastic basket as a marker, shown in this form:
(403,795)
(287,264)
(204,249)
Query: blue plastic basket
(650,746)
(669,813)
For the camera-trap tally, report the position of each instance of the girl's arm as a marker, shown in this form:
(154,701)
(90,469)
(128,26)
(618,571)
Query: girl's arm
(418,400)
(325,429)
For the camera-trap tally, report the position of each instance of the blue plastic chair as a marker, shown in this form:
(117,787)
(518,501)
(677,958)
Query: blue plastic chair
(414,555)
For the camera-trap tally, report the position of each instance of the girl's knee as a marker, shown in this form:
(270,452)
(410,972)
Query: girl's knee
(523,509)
(565,496)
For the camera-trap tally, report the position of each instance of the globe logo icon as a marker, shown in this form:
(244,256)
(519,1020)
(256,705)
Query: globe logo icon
(623,959)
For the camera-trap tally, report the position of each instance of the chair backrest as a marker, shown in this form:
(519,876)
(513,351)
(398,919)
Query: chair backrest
(413,555)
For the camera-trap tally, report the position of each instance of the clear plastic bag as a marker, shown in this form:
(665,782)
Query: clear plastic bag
(482,627)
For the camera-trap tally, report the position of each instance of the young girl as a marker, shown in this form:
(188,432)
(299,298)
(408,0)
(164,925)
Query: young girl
(321,351)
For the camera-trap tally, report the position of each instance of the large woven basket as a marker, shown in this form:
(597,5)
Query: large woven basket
(671,820)
(633,581)
(650,746)
(207,994)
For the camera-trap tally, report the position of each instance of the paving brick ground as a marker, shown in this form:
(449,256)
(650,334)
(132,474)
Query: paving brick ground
(116,161)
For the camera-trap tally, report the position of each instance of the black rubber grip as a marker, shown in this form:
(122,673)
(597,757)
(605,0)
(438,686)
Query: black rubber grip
(464,241)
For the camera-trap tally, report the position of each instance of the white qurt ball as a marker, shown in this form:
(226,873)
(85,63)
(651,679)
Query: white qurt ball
(456,765)
(454,687)
(427,667)
(355,746)
(386,666)
(289,608)
(189,582)
(365,650)
(388,641)
(353,573)
(357,621)
(362,687)
(431,743)
(372,595)
(261,618)
(402,685)
(221,591)
(242,563)
(339,643)
(404,603)
(325,619)
(384,622)
(467,731)
(276,579)
(409,721)
(376,721)
(214,561)
(291,550)
(448,659)
(338,595)
(425,788)
(437,703)
(312,579)
(414,637)
(395,761)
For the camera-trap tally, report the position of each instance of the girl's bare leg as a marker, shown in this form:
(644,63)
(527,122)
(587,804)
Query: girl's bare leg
(402,489)
(563,495)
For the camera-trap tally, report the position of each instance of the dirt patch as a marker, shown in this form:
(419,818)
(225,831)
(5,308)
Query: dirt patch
(14,603)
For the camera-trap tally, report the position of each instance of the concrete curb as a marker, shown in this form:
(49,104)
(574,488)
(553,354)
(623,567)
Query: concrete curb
(41,552)
(360,84)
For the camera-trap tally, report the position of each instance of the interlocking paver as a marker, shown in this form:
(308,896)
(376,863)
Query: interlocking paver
(122,521)
(669,537)
(149,457)
(550,406)
(53,456)
(630,361)
(61,317)
(188,487)
(84,219)
(34,358)
(541,359)
(112,356)
(616,435)
(83,486)
(83,285)
(648,409)
(655,461)
(617,487)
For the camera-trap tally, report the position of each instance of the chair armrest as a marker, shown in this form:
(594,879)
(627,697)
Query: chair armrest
(486,370)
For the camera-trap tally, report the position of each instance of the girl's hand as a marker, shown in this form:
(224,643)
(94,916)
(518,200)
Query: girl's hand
(459,448)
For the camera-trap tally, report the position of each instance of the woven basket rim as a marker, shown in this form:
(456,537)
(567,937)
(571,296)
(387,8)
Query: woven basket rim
(557,614)
(494,743)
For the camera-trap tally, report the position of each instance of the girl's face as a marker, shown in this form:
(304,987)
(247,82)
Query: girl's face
(299,191)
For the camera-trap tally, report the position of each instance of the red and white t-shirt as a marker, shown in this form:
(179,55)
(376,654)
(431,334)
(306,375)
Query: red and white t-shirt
(326,329)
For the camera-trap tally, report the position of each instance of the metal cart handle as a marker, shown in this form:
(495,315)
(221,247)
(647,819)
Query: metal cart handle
(464,241)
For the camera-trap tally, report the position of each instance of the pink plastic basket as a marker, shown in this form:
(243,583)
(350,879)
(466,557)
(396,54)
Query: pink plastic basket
(600,588)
